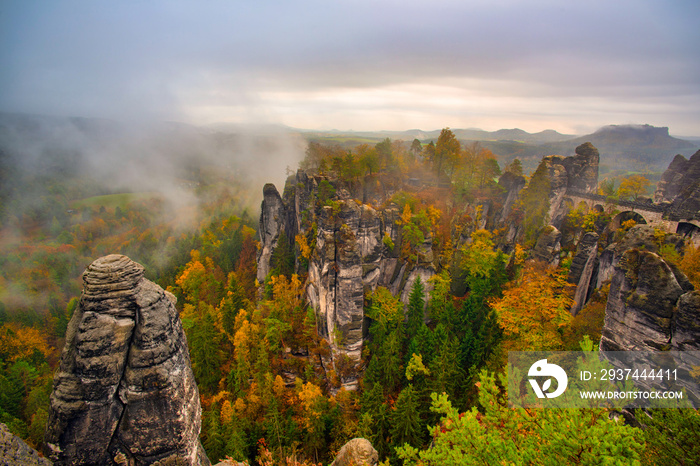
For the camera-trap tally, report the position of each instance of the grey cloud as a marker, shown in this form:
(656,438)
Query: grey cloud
(113,58)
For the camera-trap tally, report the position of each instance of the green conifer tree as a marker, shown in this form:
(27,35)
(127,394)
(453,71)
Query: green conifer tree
(406,425)
(416,305)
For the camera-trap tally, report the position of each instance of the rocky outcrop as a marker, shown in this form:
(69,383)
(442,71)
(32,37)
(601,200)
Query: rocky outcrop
(640,237)
(272,223)
(582,168)
(335,285)
(354,248)
(357,452)
(577,173)
(13,450)
(124,392)
(350,258)
(686,335)
(680,186)
(512,185)
(583,266)
(641,304)
(671,182)
(548,246)
(651,305)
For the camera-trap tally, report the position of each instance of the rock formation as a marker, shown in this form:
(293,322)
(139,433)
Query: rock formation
(577,173)
(124,392)
(357,452)
(355,249)
(13,451)
(680,186)
(272,223)
(651,305)
(583,266)
(671,182)
(638,237)
(548,247)
(582,168)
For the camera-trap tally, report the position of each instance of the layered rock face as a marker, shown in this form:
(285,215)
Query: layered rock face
(512,185)
(577,173)
(583,268)
(350,255)
(681,178)
(651,305)
(272,223)
(124,392)
(680,186)
(582,168)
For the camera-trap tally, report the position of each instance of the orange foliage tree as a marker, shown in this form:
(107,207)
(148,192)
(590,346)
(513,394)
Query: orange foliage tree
(534,311)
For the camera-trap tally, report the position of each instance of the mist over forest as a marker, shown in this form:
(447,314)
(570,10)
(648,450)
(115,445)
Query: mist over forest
(330,285)
(311,233)
(169,158)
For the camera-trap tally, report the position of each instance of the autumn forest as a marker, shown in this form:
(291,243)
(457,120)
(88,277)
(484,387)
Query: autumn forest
(429,384)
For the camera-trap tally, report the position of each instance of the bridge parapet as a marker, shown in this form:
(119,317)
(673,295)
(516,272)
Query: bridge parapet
(647,206)
(656,215)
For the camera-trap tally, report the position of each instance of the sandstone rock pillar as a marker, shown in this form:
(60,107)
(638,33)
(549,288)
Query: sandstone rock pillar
(125,391)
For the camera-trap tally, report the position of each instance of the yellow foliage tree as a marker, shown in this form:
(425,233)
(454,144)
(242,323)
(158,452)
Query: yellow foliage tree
(534,312)
(227,412)
(309,396)
(690,265)
(633,187)
(278,387)
(406,215)
(17,342)
(304,248)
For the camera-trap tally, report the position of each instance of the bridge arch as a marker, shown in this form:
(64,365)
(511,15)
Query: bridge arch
(568,204)
(690,230)
(598,208)
(625,216)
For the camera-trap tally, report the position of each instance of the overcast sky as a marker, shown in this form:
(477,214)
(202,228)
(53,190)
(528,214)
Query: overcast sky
(571,66)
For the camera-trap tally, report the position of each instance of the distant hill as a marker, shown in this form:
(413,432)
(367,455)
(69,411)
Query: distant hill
(50,144)
(642,147)
(514,135)
(626,146)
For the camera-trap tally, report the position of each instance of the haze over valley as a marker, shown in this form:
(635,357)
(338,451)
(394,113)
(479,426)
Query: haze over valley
(312,233)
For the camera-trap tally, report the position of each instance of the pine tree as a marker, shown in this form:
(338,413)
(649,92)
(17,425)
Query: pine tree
(236,442)
(406,424)
(498,434)
(205,350)
(375,412)
(416,305)
(213,441)
(444,368)
(282,260)
(425,343)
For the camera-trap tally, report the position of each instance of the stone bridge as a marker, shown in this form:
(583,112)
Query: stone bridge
(659,216)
